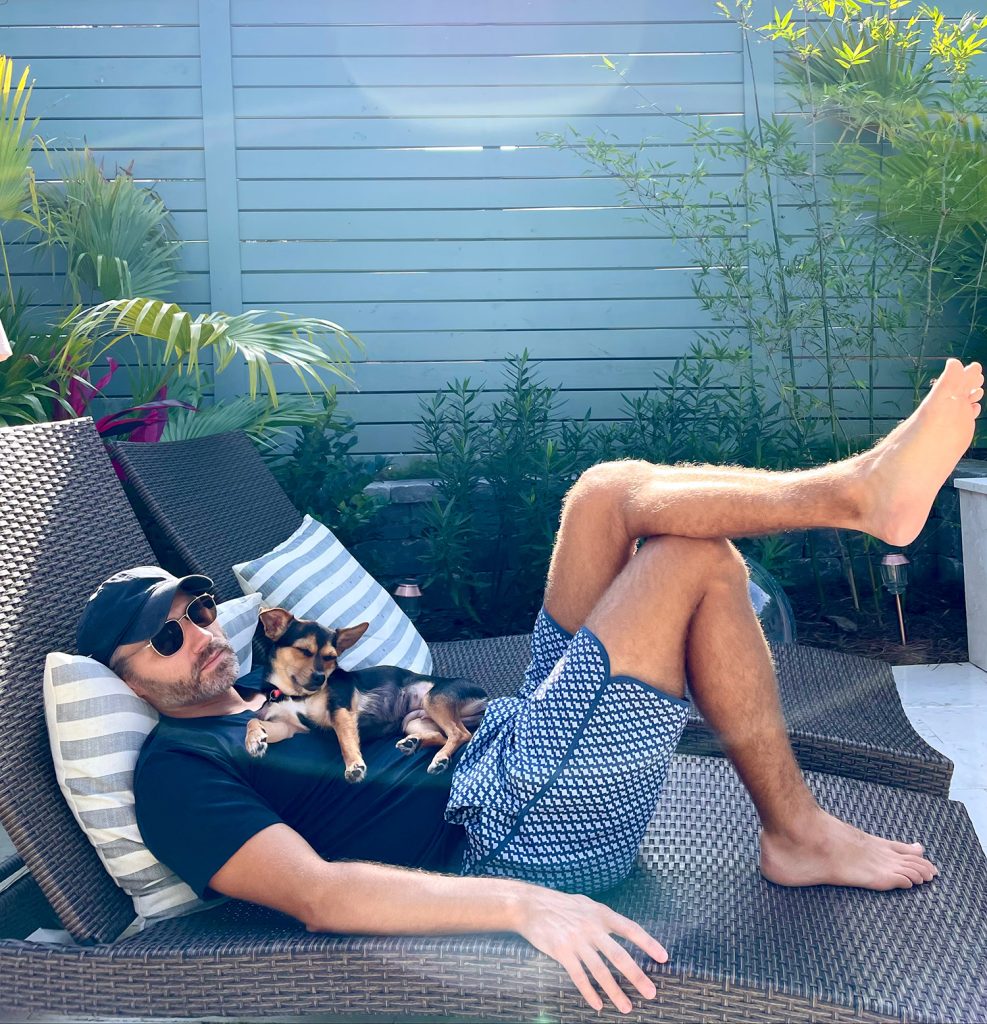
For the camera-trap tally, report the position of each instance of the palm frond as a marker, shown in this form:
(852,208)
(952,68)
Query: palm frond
(17,191)
(267,425)
(311,347)
(119,236)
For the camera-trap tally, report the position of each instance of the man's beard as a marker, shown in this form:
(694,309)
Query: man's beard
(196,688)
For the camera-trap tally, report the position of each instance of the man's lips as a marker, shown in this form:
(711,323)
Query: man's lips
(212,660)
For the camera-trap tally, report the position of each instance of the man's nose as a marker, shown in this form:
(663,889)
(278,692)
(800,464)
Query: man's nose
(199,637)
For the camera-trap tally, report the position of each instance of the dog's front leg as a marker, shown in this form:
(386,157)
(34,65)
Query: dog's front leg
(279,722)
(344,722)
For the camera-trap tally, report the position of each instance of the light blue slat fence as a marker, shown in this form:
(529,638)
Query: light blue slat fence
(379,163)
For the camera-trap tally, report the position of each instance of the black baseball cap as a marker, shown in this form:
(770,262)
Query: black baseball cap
(129,606)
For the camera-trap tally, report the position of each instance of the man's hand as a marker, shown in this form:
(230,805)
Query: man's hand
(359,898)
(578,933)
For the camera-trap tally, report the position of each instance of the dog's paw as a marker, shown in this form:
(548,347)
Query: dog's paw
(356,772)
(438,766)
(256,742)
(408,744)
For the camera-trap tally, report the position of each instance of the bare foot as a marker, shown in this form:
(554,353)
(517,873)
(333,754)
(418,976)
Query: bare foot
(832,852)
(905,470)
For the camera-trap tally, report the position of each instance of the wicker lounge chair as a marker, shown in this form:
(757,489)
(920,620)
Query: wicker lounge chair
(211,502)
(741,948)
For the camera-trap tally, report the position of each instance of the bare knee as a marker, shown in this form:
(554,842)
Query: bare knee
(716,559)
(603,490)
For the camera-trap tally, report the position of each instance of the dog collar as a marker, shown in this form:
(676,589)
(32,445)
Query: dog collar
(274,696)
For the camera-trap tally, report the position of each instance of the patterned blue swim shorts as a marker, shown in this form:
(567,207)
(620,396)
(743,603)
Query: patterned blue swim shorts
(559,783)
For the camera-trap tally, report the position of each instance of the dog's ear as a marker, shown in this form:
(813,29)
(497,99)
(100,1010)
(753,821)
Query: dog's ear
(346,638)
(275,621)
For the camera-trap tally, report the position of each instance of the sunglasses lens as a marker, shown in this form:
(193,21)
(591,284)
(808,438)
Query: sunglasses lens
(202,611)
(168,639)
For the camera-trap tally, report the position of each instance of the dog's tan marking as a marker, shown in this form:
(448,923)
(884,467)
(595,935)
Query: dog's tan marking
(446,717)
(344,721)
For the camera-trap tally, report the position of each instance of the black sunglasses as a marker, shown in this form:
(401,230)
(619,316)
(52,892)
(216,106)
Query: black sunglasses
(170,637)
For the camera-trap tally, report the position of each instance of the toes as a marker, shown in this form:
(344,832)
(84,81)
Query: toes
(408,745)
(356,773)
(438,766)
(908,848)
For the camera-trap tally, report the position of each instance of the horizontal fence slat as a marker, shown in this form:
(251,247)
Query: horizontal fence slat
(277,289)
(508,316)
(365,225)
(466,40)
(444,12)
(99,12)
(189,290)
(484,71)
(324,166)
(147,162)
(293,102)
(533,254)
(24,43)
(125,133)
(470,193)
(515,130)
(600,404)
(586,374)
(111,71)
(520,315)
(24,259)
(548,346)
(112,102)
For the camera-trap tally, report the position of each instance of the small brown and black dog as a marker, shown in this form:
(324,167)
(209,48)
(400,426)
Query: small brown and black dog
(429,711)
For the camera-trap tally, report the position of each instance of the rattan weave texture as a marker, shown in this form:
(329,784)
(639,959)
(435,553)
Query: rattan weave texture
(65,526)
(741,948)
(213,502)
(23,907)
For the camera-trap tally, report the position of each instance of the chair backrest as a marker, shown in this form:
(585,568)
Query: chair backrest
(65,525)
(207,503)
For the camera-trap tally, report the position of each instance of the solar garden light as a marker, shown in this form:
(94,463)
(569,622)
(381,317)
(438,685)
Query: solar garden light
(408,597)
(5,352)
(894,576)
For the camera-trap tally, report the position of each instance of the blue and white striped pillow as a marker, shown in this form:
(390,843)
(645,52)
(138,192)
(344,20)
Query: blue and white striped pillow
(313,576)
(96,728)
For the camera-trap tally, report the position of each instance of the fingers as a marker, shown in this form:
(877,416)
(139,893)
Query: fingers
(625,963)
(628,929)
(575,971)
(606,980)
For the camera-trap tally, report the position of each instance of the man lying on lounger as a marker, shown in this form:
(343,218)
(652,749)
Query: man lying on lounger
(621,628)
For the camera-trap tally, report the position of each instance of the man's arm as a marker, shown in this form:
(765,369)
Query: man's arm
(278,868)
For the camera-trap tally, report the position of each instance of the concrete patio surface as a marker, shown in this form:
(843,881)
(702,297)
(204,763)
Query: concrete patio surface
(947,705)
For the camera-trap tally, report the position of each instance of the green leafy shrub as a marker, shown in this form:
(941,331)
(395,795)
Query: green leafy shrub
(501,473)
(323,478)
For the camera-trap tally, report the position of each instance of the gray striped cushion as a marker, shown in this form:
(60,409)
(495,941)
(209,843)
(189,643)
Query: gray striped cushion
(96,727)
(315,577)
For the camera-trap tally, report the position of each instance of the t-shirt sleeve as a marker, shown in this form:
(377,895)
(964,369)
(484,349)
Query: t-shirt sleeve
(194,814)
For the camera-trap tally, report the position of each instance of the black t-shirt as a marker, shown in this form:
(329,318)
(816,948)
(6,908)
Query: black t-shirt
(200,796)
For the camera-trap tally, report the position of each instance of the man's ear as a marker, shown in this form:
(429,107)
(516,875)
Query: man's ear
(346,638)
(275,621)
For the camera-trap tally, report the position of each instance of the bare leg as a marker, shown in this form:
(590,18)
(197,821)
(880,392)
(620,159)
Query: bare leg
(666,604)
(886,492)
(683,602)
